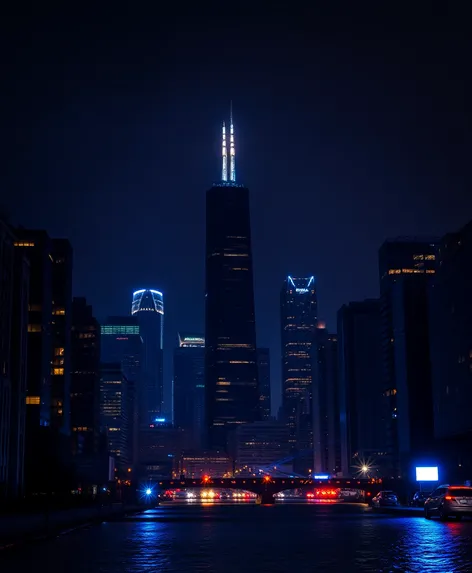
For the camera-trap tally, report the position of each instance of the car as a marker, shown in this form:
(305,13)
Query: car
(449,500)
(419,498)
(385,499)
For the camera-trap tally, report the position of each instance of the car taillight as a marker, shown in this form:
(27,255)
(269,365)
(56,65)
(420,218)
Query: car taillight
(449,497)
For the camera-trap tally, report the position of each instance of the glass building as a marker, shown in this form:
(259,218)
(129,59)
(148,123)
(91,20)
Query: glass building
(299,316)
(148,308)
(189,388)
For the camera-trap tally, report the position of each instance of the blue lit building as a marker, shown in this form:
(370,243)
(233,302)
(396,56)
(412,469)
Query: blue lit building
(299,317)
(148,308)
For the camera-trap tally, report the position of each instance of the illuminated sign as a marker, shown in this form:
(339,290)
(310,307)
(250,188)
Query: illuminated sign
(321,476)
(301,290)
(160,420)
(193,339)
(427,474)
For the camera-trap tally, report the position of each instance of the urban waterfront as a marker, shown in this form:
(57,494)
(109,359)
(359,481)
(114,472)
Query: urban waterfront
(250,538)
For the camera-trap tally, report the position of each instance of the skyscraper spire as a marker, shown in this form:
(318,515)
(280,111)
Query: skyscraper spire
(232,152)
(224,173)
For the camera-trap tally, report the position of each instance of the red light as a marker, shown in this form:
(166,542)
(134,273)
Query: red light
(448,497)
(206,479)
(368,493)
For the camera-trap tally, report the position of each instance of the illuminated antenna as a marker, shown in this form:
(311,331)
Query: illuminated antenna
(231,147)
(224,173)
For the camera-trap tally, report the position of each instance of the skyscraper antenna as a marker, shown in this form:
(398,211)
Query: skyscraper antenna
(224,172)
(232,152)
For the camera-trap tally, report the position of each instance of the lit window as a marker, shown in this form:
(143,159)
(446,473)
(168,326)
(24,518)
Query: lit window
(59,310)
(23,244)
(34,307)
(33,400)
(34,328)
(57,372)
(59,352)
(430,257)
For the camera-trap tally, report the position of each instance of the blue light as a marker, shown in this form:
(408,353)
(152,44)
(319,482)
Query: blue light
(160,420)
(321,476)
(148,491)
(138,291)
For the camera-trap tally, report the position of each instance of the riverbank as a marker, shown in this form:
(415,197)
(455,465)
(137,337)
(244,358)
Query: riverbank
(18,529)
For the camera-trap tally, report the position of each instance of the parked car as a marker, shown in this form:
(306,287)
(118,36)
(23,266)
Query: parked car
(419,498)
(449,500)
(385,499)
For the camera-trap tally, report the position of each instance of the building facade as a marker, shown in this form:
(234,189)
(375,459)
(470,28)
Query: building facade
(451,352)
(189,388)
(299,317)
(263,366)
(121,342)
(113,410)
(61,323)
(148,308)
(231,376)
(259,446)
(326,413)
(406,268)
(85,379)
(363,428)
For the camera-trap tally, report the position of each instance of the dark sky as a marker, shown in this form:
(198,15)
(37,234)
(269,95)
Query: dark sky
(353,124)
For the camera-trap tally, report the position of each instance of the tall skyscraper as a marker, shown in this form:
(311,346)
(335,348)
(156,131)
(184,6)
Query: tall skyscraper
(85,380)
(232,394)
(406,267)
(14,284)
(326,427)
(263,366)
(363,432)
(299,316)
(61,322)
(451,352)
(148,307)
(189,388)
(121,342)
(113,411)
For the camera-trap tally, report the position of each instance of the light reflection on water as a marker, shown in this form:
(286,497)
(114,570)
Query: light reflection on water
(250,538)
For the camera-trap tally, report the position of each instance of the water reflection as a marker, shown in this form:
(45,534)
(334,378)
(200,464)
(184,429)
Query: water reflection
(249,538)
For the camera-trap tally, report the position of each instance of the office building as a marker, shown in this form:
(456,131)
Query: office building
(189,388)
(263,366)
(160,449)
(326,427)
(259,446)
(406,267)
(231,377)
(14,284)
(121,342)
(451,352)
(363,429)
(148,308)
(113,410)
(85,379)
(299,316)
(61,322)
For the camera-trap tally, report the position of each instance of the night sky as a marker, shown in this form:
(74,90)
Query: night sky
(351,126)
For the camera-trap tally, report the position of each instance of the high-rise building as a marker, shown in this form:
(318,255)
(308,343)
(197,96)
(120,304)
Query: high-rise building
(406,267)
(451,352)
(363,431)
(189,388)
(299,316)
(263,365)
(326,427)
(148,308)
(61,322)
(18,365)
(121,342)
(231,377)
(36,246)
(113,410)
(85,379)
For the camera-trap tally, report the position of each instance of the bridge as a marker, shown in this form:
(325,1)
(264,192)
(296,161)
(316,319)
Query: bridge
(267,486)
